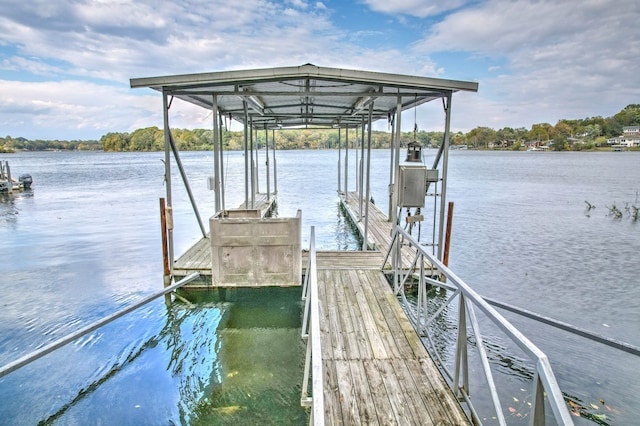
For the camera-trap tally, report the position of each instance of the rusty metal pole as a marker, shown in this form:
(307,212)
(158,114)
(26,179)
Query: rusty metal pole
(447,240)
(165,246)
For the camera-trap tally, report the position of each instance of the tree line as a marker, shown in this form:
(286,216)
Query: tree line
(586,133)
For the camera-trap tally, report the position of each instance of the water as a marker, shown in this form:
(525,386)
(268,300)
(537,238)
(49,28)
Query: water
(86,242)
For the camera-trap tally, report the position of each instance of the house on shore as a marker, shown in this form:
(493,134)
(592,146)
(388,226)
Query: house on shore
(630,137)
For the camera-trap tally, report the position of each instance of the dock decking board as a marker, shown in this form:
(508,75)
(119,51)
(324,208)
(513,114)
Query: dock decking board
(376,370)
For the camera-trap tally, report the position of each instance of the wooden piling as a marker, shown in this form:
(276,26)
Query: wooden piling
(447,237)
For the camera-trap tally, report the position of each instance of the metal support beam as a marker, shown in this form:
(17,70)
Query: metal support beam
(167,175)
(346,163)
(275,171)
(266,150)
(221,139)
(391,170)
(252,165)
(398,122)
(445,164)
(216,157)
(246,154)
(368,182)
(361,173)
(183,174)
(339,159)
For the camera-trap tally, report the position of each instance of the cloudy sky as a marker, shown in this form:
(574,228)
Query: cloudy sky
(65,65)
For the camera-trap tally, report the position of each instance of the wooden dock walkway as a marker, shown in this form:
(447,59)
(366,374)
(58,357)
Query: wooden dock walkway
(376,369)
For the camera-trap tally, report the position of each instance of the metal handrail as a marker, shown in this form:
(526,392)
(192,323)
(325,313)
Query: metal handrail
(29,358)
(545,384)
(311,331)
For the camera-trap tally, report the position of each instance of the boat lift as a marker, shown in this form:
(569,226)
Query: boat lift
(307,96)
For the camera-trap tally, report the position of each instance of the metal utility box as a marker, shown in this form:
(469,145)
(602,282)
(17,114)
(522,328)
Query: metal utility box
(412,186)
(432,175)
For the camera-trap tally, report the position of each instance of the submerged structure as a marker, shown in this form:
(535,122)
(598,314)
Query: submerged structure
(367,358)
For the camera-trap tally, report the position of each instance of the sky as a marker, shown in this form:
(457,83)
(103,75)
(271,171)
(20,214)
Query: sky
(65,65)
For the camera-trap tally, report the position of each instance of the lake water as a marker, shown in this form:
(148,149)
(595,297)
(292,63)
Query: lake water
(86,242)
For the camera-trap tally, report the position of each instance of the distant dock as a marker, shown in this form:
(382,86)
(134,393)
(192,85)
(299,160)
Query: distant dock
(8,183)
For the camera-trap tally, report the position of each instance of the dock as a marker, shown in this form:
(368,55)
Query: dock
(8,183)
(376,369)
(368,364)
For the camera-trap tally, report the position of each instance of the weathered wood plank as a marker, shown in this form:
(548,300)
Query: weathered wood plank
(325,324)
(337,339)
(356,308)
(348,333)
(332,409)
(438,393)
(413,398)
(397,397)
(368,315)
(366,405)
(348,400)
(379,394)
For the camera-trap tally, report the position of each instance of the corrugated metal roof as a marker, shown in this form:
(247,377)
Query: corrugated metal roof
(306,95)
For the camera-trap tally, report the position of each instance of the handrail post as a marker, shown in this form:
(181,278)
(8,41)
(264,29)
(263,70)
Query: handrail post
(537,405)
(462,361)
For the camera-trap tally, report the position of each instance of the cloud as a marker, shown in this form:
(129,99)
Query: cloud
(418,8)
(562,59)
(89,50)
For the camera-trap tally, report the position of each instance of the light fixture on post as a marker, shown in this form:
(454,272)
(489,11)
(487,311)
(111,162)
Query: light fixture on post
(414,152)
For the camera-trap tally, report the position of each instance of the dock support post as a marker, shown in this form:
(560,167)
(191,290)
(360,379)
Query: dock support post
(266,150)
(368,183)
(391,170)
(221,151)
(445,164)
(252,165)
(257,163)
(361,175)
(167,170)
(9,180)
(275,172)
(216,158)
(339,158)
(394,218)
(246,154)
(346,163)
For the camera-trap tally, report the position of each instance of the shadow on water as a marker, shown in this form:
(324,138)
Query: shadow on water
(234,357)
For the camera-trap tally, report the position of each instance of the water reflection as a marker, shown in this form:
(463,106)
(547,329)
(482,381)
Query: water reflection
(259,362)
(10,205)
(224,357)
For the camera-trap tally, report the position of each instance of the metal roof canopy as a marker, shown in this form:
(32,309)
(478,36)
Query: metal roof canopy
(304,96)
